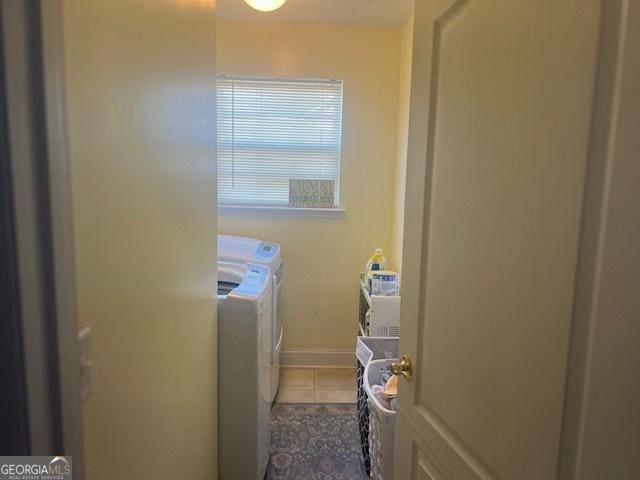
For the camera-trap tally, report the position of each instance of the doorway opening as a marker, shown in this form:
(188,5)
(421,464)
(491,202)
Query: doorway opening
(313,114)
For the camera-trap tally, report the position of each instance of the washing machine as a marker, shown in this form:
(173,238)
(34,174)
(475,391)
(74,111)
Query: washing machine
(245,310)
(249,250)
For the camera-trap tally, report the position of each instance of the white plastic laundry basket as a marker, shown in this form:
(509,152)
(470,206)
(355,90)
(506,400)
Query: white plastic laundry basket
(368,349)
(376,348)
(382,423)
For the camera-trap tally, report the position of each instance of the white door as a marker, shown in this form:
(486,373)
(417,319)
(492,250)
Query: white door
(501,105)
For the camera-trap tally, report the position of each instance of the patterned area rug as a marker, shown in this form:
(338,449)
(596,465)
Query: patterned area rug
(315,442)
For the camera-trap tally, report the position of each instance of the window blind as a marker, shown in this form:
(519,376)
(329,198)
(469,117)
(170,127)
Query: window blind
(275,133)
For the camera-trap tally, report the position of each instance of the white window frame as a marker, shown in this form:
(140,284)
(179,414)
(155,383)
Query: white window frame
(259,209)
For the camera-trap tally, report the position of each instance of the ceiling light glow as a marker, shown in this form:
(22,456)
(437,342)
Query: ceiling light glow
(265,5)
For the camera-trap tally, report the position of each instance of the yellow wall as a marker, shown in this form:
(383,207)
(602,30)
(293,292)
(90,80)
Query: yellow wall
(404,98)
(324,255)
(141,119)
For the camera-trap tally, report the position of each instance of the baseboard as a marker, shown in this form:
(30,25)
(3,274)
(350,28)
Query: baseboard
(318,358)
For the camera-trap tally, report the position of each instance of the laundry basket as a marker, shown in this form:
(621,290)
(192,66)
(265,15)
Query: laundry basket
(368,349)
(382,422)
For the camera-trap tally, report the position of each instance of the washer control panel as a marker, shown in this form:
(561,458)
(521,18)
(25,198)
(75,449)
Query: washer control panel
(254,281)
(267,250)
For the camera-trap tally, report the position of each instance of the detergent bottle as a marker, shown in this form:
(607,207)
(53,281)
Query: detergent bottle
(376,262)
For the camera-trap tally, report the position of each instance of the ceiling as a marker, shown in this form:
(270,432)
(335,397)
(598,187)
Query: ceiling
(344,12)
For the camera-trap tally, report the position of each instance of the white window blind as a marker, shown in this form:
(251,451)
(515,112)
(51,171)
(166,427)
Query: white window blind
(276,134)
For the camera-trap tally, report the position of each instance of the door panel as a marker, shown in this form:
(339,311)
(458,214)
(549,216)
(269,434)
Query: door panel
(414,453)
(504,94)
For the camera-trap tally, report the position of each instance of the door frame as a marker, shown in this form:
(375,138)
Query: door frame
(15,427)
(62,229)
(606,219)
(37,157)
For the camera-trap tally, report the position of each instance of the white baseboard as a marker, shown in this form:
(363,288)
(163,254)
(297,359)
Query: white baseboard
(318,358)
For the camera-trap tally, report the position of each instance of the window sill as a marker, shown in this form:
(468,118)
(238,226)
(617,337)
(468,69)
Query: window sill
(231,210)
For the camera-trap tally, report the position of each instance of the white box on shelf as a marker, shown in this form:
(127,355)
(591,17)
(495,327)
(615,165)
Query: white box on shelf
(379,315)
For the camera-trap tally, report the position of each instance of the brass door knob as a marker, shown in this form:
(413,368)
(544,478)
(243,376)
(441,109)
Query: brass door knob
(403,367)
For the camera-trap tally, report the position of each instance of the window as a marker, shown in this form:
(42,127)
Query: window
(279,142)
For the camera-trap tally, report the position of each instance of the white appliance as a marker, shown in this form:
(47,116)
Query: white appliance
(245,296)
(379,314)
(250,250)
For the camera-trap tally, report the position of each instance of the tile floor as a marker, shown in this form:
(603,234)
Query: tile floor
(317,385)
